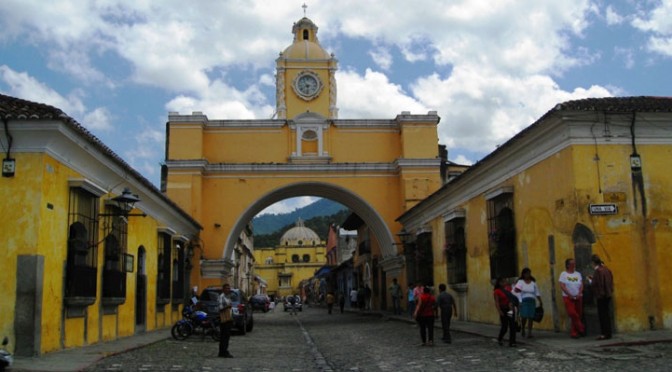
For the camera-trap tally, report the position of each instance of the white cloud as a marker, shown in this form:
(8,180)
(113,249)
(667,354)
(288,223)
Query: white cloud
(289,205)
(463,160)
(481,111)
(659,23)
(382,57)
(372,96)
(221,101)
(612,17)
(98,119)
(24,86)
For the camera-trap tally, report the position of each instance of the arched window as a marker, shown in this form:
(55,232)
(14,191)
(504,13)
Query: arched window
(300,242)
(295,258)
(306,258)
(305,34)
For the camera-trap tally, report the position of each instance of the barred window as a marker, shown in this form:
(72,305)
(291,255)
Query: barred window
(502,236)
(456,251)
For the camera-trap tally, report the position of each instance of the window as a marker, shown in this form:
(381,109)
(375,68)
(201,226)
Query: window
(456,251)
(114,277)
(306,258)
(305,34)
(295,258)
(300,242)
(81,272)
(178,273)
(269,260)
(502,236)
(164,271)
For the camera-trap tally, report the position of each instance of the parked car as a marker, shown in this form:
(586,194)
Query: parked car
(243,320)
(297,303)
(260,302)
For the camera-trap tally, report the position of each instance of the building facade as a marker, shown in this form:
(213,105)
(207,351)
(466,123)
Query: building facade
(589,177)
(294,260)
(224,172)
(86,259)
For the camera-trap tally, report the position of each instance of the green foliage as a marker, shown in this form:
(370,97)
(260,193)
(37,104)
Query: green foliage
(319,224)
(270,223)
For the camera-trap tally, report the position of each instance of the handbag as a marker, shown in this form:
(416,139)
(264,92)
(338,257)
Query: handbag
(226,315)
(538,314)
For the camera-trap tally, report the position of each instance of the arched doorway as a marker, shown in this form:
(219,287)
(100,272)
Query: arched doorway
(364,210)
(141,291)
(583,240)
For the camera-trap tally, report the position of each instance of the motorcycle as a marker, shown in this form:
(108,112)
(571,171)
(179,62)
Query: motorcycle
(195,322)
(6,358)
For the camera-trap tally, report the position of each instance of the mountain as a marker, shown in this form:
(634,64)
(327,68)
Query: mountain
(270,223)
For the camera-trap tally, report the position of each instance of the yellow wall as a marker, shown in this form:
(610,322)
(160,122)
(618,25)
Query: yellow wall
(550,198)
(35,217)
(282,263)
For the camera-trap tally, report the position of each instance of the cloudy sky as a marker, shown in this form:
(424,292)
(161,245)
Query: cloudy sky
(489,68)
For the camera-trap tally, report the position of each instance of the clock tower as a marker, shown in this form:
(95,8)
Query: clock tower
(305,76)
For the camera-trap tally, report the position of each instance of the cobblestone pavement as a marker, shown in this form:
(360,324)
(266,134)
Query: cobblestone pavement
(315,341)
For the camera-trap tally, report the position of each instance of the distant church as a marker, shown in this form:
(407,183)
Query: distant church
(298,255)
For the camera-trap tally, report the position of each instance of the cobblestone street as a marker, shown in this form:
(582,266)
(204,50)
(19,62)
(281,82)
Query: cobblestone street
(314,341)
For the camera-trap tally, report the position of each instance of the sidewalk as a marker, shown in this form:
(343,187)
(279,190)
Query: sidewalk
(556,340)
(77,359)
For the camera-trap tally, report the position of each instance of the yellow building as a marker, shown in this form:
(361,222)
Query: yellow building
(224,172)
(298,255)
(589,177)
(80,264)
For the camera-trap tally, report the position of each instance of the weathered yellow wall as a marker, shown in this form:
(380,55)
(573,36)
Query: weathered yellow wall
(550,198)
(36,209)
(21,196)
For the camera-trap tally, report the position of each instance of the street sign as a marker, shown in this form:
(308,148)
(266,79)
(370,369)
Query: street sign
(603,209)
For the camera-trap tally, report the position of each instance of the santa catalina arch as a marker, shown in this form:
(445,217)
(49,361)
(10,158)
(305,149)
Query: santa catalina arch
(223,172)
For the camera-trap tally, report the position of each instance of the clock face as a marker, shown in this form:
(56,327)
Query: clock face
(307,85)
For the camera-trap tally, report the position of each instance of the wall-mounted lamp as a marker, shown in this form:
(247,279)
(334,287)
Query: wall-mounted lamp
(191,250)
(404,236)
(125,202)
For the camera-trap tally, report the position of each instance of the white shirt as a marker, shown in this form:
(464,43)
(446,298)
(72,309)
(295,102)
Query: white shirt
(527,290)
(572,282)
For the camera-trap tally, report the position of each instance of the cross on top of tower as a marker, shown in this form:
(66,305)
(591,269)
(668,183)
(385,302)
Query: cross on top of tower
(304,6)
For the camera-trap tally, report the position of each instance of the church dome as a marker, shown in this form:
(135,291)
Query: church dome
(300,235)
(305,45)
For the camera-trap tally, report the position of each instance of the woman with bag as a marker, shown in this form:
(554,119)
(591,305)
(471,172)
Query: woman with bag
(424,313)
(527,288)
(226,318)
(506,311)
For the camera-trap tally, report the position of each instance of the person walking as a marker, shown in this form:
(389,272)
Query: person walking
(330,299)
(353,298)
(425,312)
(411,299)
(341,301)
(527,289)
(293,299)
(506,311)
(571,284)
(395,292)
(447,307)
(226,321)
(602,284)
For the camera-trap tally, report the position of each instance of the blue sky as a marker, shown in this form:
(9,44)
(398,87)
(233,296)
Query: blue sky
(489,68)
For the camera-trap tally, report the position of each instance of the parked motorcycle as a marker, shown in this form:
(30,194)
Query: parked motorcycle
(195,322)
(6,358)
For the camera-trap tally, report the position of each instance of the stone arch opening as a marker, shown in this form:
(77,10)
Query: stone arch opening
(341,195)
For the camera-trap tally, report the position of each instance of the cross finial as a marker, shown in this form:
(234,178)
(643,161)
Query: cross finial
(304,6)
